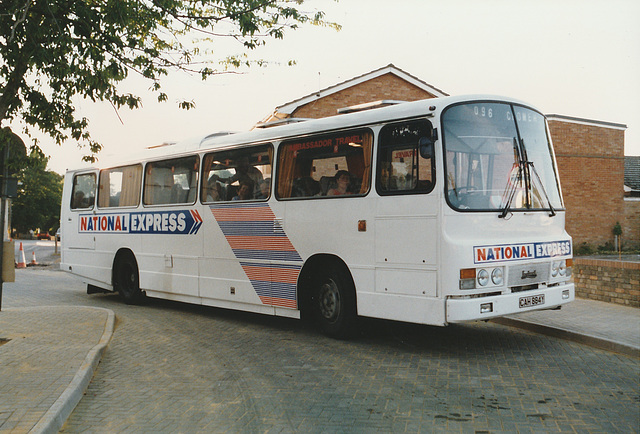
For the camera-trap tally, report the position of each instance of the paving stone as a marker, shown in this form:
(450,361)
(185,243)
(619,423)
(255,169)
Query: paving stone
(178,368)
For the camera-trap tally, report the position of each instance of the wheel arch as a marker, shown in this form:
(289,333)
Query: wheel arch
(122,253)
(313,266)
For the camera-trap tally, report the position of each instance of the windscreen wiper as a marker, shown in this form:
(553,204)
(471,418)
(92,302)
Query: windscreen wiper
(510,189)
(529,164)
(525,167)
(552,212)
(527,175)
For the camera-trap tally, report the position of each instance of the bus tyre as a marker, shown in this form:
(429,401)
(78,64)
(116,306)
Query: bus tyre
(334,304)
(126,280)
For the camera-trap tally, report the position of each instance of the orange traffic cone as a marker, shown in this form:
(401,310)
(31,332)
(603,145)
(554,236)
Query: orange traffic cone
(33,258)
(22,263)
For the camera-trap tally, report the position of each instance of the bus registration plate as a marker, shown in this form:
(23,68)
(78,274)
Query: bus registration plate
(532,300)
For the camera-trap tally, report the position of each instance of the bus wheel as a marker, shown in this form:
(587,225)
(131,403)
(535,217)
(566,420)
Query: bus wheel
(334,305)
(126,280)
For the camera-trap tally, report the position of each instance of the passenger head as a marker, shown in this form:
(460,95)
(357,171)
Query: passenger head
(265,186)
(342,175)
(213,190)
(245,191)
(243,165)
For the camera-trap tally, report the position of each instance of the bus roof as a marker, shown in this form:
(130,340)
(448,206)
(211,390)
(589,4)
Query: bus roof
(225,139)
(398,111)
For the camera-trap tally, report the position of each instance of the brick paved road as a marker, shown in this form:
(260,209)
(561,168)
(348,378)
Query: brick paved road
(179,368)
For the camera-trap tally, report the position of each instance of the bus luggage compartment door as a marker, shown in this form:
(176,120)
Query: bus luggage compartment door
(73,237)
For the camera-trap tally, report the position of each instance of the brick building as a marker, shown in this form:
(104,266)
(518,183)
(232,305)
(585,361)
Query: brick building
(590,157)
(631,232)
(590,154)
(388,83)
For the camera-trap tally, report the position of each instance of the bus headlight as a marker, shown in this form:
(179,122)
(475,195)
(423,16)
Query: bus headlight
(483,277)
(471,278)
(497,276)
(561,268)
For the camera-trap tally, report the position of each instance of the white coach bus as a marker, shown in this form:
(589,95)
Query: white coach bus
(433,212)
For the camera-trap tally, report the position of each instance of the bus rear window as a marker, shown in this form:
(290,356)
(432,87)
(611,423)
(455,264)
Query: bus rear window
(327,165)
(84,191)
(120,186)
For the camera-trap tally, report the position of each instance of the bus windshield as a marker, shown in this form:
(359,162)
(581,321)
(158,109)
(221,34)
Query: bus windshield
(498,157)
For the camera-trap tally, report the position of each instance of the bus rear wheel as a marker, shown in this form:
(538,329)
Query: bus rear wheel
(334,304)
(126,280)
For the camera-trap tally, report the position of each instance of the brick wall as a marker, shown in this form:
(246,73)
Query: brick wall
(610,281)
(631,225)
(387,86)
(591,167)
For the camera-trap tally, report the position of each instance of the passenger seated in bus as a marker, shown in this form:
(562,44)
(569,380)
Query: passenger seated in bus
(342,181)
(326,182)
(78,200)
(82,201)
(305,187)
(245,192)
(265,188)
(246,172)
(213,191)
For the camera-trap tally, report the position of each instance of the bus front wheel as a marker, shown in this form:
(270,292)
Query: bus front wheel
(126,279)
(334,304)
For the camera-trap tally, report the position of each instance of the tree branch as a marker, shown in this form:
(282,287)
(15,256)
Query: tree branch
(19,21)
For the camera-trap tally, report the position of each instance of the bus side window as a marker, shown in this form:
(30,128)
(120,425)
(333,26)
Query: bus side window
(327,165)
(237,174)
(120,186)
(84,191)
(405,165)
(171,181)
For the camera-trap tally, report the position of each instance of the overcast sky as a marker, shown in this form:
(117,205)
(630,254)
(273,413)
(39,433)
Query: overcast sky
(572,57)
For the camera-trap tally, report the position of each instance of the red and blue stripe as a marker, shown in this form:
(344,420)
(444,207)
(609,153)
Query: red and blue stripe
(255,236)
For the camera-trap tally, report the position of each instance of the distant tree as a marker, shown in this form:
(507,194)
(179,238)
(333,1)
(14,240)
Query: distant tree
(16,154)
(54,50)
(39,196)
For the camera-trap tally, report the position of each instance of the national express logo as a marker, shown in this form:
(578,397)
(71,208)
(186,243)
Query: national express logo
(160,222)
(519,252)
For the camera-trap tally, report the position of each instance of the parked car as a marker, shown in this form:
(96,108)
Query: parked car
(44,236)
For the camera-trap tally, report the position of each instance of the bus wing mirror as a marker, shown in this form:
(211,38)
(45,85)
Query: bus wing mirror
(425,146)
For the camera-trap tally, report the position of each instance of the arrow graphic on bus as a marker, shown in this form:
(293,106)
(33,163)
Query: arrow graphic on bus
(197,222)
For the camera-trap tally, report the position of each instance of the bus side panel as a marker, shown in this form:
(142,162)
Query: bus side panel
(406,261)
(340,227)
(93,265)
(419,310)
(223,279)
(77,248)
(170,273)
(175,272)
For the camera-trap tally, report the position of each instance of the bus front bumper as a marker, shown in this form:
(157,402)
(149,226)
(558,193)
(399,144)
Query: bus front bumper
(481,308)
